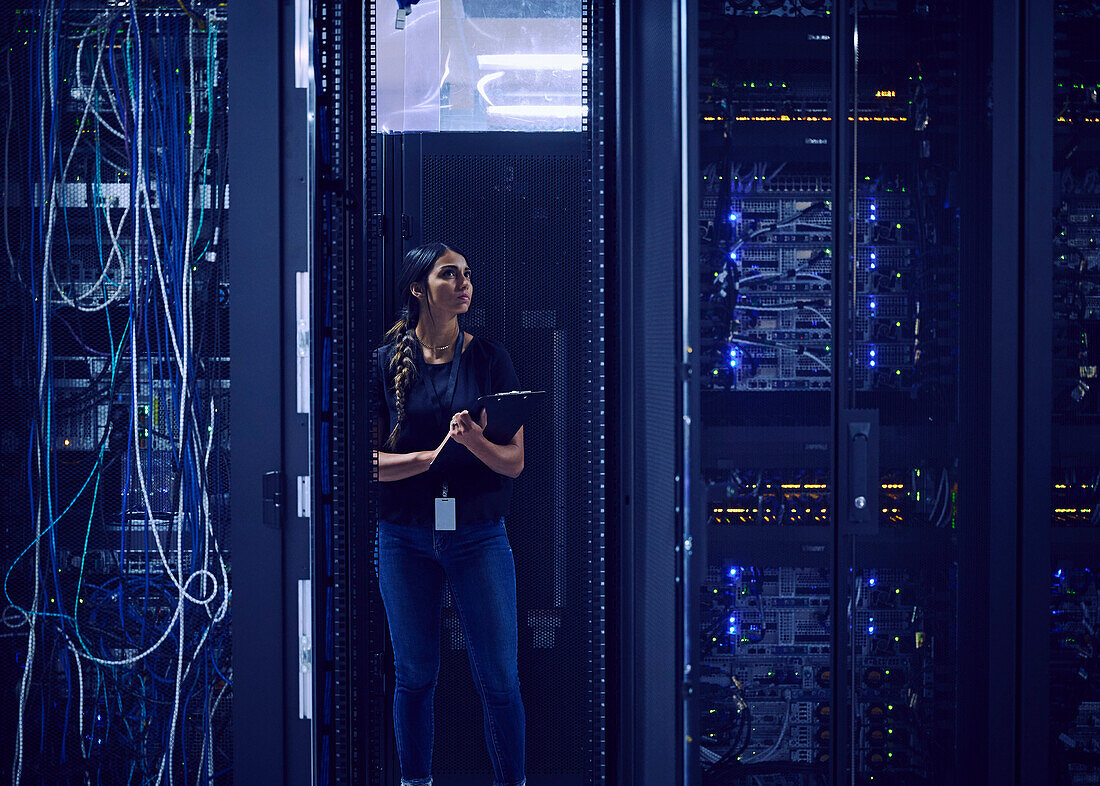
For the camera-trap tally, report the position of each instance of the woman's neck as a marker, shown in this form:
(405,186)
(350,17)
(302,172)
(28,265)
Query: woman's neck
(435,336)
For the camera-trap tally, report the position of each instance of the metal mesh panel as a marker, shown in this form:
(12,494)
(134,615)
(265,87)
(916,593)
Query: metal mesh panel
(523,221)
(114,406)
(529,216)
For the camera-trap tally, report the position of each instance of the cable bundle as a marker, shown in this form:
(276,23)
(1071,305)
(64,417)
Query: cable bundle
(119,593)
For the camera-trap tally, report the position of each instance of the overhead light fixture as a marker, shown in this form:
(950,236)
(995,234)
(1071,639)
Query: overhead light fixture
(526,62)
(539,111)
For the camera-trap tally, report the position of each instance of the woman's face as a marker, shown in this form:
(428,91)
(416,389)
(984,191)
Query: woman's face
(449,284)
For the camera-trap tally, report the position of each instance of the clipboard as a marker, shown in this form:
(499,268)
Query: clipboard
(506,413)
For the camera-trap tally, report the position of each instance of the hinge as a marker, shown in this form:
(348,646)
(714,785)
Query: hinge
(304,494)
(305,649)
(302,347)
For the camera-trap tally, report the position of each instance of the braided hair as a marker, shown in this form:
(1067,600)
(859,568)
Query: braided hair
(418,264)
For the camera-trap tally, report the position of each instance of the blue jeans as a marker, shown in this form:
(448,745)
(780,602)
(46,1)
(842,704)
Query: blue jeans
(477,562)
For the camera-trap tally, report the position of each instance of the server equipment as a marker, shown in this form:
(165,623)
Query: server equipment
(1074,462)
(828,619)
(114,428)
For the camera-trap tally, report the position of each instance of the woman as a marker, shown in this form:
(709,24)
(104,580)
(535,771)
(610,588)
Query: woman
(430,374)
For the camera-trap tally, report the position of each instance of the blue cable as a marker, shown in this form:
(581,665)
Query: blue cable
(167,124)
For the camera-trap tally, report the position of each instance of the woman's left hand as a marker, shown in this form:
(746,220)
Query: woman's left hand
(464,430)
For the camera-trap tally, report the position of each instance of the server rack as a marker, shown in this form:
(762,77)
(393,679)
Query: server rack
(833,218)
(1060,312)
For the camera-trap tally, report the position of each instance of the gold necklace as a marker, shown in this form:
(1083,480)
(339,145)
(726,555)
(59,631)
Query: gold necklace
(437,349)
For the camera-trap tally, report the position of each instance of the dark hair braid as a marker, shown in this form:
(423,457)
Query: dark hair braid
(403,365)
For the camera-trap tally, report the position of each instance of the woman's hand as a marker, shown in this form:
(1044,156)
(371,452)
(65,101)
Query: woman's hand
(464,430)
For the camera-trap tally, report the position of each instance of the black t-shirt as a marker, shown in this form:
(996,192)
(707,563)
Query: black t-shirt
(480,493)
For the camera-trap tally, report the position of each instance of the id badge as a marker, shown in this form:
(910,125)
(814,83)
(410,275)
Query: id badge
(444,514)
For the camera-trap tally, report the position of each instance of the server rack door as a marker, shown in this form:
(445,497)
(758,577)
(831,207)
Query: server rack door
(833,308)
(767,347)
(900,303)
(1064,303)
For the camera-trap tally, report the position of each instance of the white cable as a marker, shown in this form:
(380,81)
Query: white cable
(175,704)
(140,192)
(209,738)
(153,647)
(766,755)
(96,72)
(819,315)
(946,498)
(182,348)
(815,358)
(93,289)
(80,700)
(7,144)
(211,538)
(797,274)
(786,307)
(186,260)
(24,686)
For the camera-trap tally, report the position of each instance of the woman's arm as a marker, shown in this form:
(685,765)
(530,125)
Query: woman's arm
(398,466)
(502,459)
